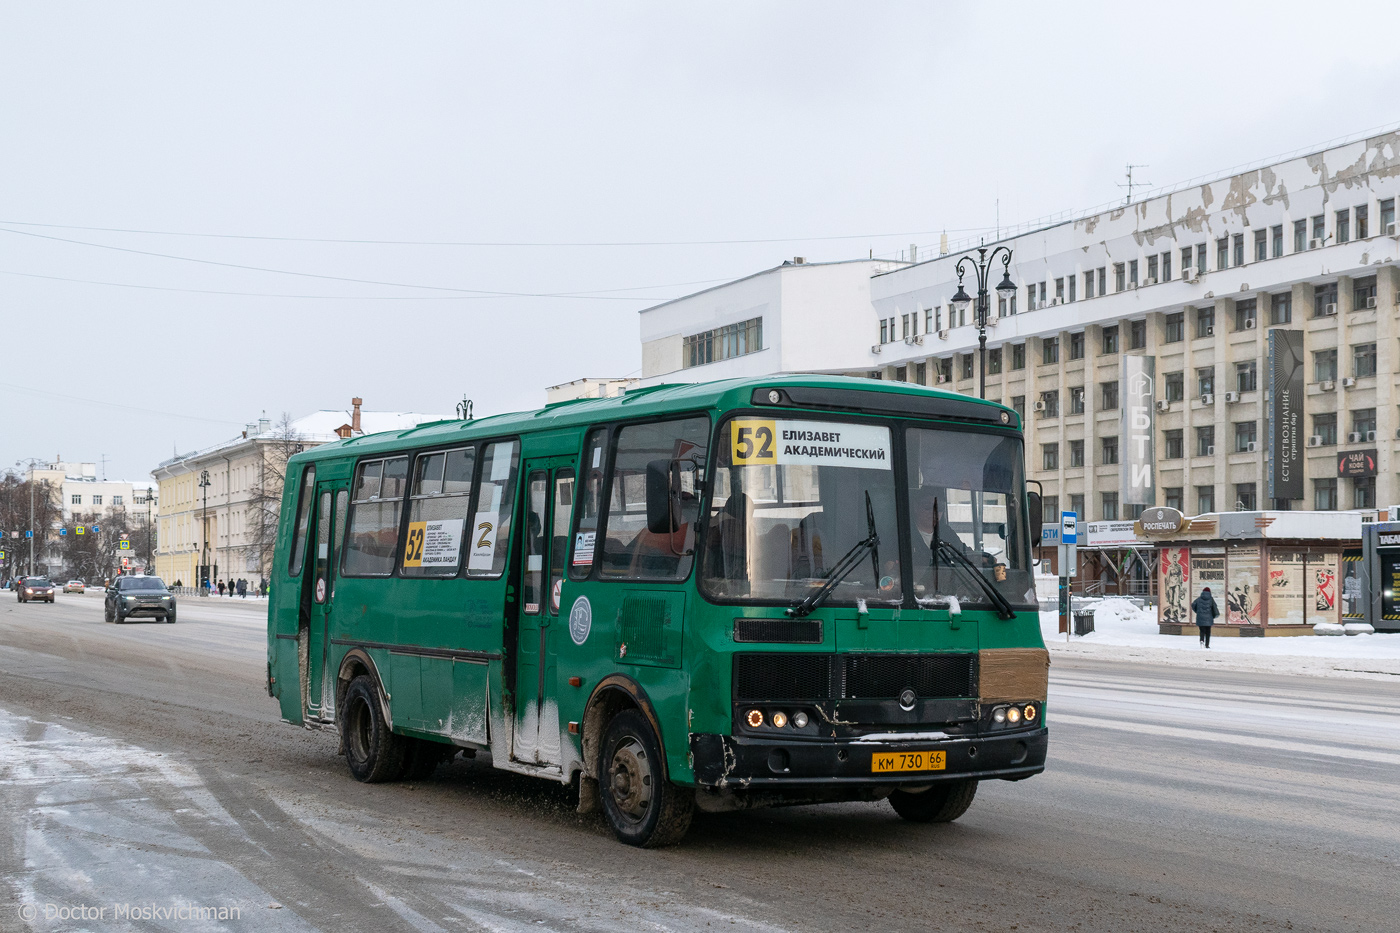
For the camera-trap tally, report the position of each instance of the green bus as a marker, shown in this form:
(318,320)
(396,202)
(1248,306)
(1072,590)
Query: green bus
(737,594)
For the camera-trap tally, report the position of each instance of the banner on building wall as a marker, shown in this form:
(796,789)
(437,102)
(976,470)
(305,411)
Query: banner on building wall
(1286,576)
(1174,585)
(1137,457)
(1208,570)
(1242,593)
(1321,597)
(1285,414)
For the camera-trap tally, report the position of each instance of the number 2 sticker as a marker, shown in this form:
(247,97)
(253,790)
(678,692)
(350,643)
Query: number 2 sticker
(754,442)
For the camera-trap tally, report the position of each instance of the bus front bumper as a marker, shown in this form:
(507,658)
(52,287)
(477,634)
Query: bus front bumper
(726,761)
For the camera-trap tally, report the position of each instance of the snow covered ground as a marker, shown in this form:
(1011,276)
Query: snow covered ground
(1122,631)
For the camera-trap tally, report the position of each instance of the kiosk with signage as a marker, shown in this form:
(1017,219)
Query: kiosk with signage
(1371,586)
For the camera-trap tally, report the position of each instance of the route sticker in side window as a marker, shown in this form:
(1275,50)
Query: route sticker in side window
(759,442)
(484,529)
(433,544)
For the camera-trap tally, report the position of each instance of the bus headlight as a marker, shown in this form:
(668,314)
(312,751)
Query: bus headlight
(1013,715)
(999,715)
(754,718)
(780,720)
(799,720)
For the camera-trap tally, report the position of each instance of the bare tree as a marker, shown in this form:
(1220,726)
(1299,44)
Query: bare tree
(92,545)
(15,520)
(265,496)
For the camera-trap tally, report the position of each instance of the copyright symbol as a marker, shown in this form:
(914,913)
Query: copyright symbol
(28,912)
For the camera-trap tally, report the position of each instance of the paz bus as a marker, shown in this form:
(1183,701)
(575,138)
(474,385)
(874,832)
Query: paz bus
(719,596)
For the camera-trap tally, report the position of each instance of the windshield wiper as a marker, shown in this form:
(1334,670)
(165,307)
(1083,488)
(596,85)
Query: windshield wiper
(1002,603)
(845,565)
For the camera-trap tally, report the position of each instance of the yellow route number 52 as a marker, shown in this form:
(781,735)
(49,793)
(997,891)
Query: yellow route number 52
(755,442)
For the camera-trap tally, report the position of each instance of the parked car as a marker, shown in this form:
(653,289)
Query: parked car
(35,589)
(74,586)
(133,595)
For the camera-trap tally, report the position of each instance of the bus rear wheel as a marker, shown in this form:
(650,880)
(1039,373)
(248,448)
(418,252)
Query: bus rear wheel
(643,808)
(941,803)
(372,750)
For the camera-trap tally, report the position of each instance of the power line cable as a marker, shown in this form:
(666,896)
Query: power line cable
(92,401)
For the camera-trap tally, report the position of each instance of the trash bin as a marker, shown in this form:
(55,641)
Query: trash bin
(1083,621)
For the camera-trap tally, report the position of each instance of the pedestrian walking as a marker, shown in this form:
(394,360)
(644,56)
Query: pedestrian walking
(221,587)
(242,588)
(1206,611)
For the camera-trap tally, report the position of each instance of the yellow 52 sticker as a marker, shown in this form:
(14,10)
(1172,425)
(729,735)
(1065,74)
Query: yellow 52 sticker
(755,442)
(413,550)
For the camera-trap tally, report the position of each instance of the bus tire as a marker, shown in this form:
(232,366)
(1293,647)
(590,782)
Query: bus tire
(372,750)
(641,806)
(941,803)
(421,758)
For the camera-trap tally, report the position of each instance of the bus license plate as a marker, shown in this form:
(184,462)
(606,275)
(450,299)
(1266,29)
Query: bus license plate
(908,761)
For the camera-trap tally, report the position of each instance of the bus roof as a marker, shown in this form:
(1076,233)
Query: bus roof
(649,401)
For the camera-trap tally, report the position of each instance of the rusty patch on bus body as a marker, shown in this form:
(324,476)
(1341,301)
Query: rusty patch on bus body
(1013,674)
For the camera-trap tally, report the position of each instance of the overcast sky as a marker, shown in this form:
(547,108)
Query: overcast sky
(540,129)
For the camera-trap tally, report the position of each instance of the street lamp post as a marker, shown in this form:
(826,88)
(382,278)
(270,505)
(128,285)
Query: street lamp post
(150,549)
(204,536)
(982,266)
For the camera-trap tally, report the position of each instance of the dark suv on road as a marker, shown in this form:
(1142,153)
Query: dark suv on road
(139,596)
(34,589)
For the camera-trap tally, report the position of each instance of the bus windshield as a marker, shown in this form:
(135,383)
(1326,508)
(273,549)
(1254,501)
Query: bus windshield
(789,502)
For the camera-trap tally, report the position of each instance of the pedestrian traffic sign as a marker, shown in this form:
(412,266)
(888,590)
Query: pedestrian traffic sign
(123,545)
(80,529)
(1069,527)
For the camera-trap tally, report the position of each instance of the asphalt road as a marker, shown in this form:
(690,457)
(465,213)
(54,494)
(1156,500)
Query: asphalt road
(144,765)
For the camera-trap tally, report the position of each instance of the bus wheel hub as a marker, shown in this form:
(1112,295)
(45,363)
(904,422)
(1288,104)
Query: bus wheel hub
(630,779)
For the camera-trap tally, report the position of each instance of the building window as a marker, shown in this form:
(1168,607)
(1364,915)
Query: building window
(1300,235)
(1201,258)
(77,498)
(1325,428)
(1325,365)
(740,339)
(117,500)
(1110,339)
(1109,449)
(1167,266)
(967,368)
(884,338)
(1050,508)
(1239,249)
(1343,226)
(1281,308)
(1185,261)
(1110,507)
(1363,360)
(1205,322)
(1245,314)
(1222,253)
(1132,273)
(1363,425)
(944,369)
(1276,234)
(1247,376)
(1261,245)
(1060,291)
(1076,504)
(1363,220)
(1319,230)
(1050,404)
(928,321)
(1103,280)
(1363,293)
(1050,456)
(1152,270)
(1388,217)
(1119,277)
(1018,405)
(1175,445)
(921,373)
(1363,492)
(1042,293)
(1076,453)
(1050,350)
(994,360)
(901,374)
(1205,441)
(1076,346)
(1072,281)
(1205,380)
(1324,300)
(1205,499)
(1324,494)
(1175,327)
(1089,284)
(1076,400)
(904,326)
(1175,384)
(1137,335)
(1245,498)
(1109,396)
(1245,435)
(1018,356)
(1172,498)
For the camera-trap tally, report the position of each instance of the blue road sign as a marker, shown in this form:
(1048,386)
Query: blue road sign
(1069,527)
(29,534)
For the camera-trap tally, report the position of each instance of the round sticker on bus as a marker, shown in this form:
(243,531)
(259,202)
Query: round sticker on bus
(580,620)
(321,590)
(555,593)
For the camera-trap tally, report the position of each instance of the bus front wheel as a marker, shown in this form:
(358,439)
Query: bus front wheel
(941,803)
(642,807)
(372,750)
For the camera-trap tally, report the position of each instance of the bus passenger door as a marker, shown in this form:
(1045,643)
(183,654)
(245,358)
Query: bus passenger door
(332,500)
(549,498)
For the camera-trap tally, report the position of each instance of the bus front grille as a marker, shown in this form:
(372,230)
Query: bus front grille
(774,676)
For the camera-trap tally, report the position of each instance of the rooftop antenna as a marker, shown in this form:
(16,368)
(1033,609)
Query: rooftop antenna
(1130,184)
(464,409)
(103,458)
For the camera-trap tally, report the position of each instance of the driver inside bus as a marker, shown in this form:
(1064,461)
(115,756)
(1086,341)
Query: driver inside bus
(923,502)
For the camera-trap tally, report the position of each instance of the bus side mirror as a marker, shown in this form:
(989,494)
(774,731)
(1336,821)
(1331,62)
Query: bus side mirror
(663,497)
(1033,506)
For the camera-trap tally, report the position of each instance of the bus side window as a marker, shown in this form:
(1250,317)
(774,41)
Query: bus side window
(374,518)
(308,486)
(488,538)
(439,507)
(595,457)
(630,549)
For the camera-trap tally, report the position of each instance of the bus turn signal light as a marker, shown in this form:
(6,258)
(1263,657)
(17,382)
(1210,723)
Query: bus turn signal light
(754,718)
(575,681)
(1030,712)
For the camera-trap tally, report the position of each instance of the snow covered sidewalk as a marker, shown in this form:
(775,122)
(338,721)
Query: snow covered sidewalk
(1123,632)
